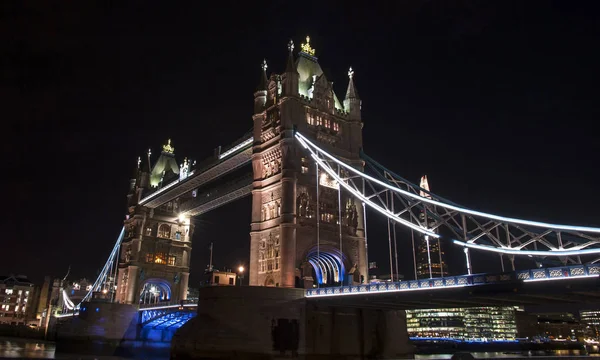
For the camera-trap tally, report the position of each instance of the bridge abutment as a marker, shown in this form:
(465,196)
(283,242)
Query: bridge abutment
(259,322)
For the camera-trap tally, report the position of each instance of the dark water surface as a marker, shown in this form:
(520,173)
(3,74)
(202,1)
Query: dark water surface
(39,349)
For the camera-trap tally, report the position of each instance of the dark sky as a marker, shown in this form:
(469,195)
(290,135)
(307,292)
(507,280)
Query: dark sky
(496,102)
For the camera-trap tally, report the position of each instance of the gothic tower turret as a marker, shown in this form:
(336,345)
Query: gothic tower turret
(352,101)
(260,95)
(290,77)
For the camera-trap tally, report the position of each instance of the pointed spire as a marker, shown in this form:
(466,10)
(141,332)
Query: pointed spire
(290,68)
(424,184)
(262,86)
(351,93)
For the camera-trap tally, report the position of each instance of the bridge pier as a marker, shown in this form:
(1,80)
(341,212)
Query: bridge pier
(261,322)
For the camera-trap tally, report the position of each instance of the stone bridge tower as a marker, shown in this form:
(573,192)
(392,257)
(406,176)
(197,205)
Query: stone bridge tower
(154,259)
(284,248)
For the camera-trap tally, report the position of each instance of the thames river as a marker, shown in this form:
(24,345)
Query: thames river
(37,349)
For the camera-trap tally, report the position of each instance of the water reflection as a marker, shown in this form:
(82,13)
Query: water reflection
(25,348)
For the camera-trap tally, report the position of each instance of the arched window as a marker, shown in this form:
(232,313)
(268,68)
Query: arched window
(278,206)
(164,231)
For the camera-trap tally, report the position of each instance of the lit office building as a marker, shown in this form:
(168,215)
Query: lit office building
(591,320)
(436,323)
(476,324)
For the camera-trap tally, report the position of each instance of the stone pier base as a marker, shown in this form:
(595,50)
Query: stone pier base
(264,323)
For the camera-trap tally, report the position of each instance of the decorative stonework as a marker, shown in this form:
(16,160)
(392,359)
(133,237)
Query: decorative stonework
(271,210)
(268,134)
(323,136)
(269,254)
(271,163)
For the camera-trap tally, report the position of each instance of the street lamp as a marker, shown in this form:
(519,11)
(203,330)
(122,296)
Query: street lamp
(241,274)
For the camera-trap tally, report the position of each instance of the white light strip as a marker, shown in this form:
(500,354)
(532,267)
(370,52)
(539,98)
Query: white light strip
(389,291)
(160,191)
(64,315)
(452,207)
(558,252)
(387,213)
(561,278)
(167,307)
(236,148)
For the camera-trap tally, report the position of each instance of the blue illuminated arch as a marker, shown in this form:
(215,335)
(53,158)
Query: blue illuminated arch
(158,289)
(328,264)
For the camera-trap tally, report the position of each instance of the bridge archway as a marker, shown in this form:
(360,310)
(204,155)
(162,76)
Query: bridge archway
(155,291)
(328,265)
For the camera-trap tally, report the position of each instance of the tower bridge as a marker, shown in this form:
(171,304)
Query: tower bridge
(310,181)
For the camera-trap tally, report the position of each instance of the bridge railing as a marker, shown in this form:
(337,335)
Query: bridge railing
(554,273)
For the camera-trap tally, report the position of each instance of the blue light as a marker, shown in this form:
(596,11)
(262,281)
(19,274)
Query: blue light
(97,309)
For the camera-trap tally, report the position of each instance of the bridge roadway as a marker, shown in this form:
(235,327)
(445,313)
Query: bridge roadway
(567,285)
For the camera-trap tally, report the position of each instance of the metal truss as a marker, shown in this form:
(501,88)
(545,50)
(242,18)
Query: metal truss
(433,216)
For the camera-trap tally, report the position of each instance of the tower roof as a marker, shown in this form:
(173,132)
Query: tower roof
(165,165)
(262,85)
(351,93)
(309,71)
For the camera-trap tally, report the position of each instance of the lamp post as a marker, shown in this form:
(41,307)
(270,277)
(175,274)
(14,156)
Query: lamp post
(241,274)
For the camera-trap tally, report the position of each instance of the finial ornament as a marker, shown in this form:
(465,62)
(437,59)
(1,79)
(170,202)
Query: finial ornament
(168,148)
(350,73)
(291,45)
(264,65)
(306,47)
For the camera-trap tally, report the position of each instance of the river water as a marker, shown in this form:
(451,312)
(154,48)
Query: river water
(37,349)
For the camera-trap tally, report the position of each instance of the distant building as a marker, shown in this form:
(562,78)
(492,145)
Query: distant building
(17,300)
(591,320)
(429,254)
(214,277)
(487,323)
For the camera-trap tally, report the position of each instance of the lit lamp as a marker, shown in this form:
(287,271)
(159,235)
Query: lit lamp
(241,274)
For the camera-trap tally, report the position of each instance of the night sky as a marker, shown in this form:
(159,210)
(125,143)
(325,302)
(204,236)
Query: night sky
(497,102)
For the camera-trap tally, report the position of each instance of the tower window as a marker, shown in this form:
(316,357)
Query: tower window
(148,231)
(164,231)
(149,257)
(171,260)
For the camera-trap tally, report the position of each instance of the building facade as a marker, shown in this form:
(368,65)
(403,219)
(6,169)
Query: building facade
(17,300)
(429,253)
(295,231)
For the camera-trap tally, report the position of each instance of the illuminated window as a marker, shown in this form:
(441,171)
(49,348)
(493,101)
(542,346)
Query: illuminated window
(171,260)
(164,231)
(149,257)
(336,126)
(148,231)
(9,291)
(326,123)
(160,258)
(304,169)
(310,118)
(319,120)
